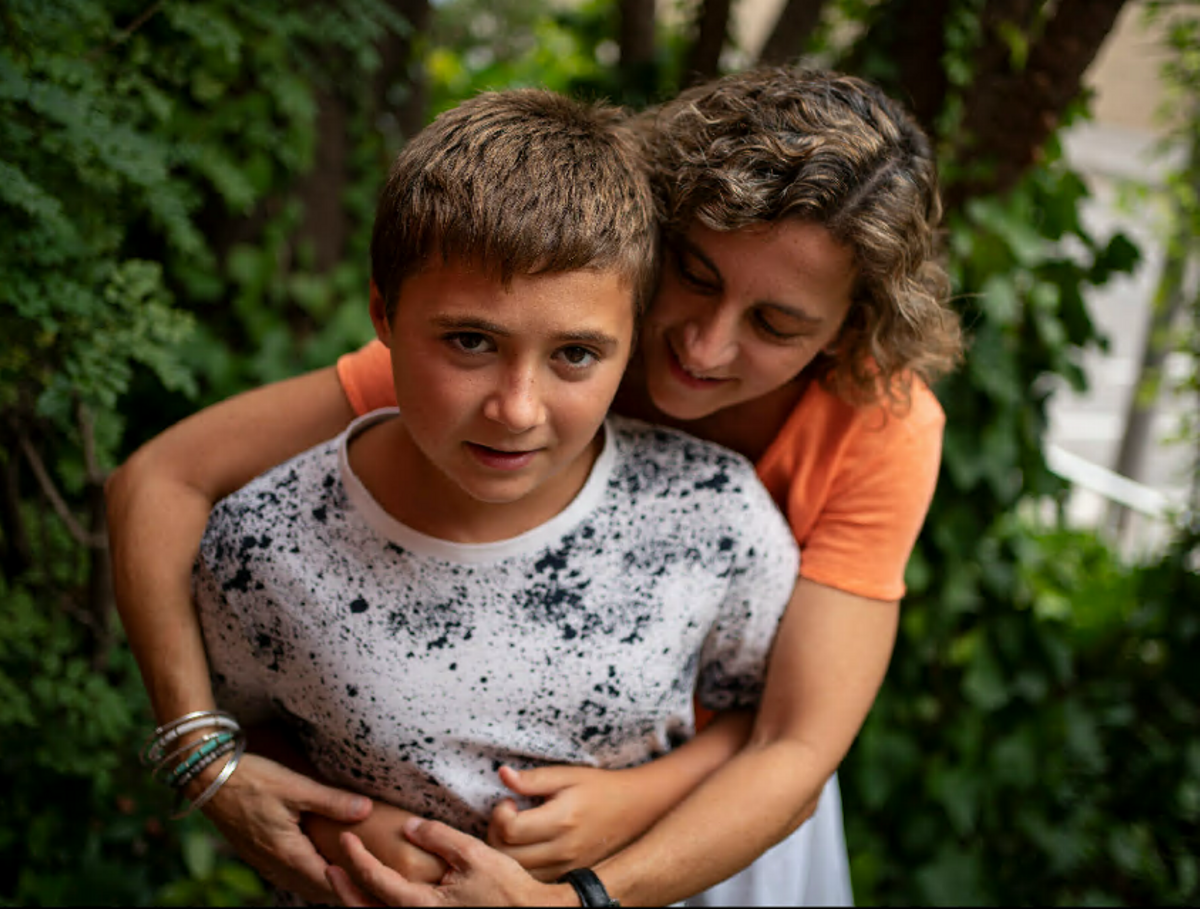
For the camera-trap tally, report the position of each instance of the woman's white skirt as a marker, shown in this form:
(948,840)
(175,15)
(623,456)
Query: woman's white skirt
(809,868)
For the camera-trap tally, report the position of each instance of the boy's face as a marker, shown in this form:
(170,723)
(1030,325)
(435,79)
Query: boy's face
(503,391)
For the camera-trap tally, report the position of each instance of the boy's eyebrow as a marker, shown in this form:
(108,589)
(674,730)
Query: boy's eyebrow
(471,323)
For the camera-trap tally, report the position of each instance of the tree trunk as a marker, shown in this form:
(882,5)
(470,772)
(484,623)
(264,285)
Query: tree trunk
(15,553)
(791,32)
(704,59)
(911,34)
(325,226)
(1169,303)
(918,50)
(636,35)
(1010,113)
(401,89)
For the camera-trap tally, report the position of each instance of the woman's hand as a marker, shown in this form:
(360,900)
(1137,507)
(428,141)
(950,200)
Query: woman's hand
(258,810)
(588,814)
(383,836)
(478,875)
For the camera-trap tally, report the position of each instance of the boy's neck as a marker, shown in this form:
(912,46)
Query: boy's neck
(417,494)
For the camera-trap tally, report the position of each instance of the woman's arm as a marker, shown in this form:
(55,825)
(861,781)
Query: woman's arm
(828,661)
(829,658)
(158,505)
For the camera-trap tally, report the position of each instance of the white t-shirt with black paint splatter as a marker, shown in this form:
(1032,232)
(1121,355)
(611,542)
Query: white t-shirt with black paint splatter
(412,667)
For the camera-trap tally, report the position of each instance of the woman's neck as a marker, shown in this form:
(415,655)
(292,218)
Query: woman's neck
(748,428)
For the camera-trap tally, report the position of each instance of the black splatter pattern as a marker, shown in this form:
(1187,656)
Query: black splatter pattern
(412,669)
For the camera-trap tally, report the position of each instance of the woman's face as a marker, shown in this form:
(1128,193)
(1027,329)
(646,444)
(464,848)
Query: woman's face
(740,313)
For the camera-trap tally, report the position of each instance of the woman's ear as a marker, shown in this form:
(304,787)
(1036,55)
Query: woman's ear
(379,316)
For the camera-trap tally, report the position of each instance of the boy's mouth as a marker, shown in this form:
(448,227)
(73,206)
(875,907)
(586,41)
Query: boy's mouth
(499,459)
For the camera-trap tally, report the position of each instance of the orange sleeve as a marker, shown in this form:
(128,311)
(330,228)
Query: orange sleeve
(366,377)
(856,485)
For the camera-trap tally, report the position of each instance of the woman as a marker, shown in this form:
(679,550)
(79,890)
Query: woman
(799,318)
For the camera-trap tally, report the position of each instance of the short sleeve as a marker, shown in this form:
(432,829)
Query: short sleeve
(874,501)
(233,666)
(366,377)
(762,576)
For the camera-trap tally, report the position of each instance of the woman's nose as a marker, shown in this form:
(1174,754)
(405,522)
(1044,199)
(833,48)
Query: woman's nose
(710,340)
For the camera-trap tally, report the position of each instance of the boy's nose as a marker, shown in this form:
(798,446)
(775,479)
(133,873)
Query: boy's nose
(710,341)
(517,404)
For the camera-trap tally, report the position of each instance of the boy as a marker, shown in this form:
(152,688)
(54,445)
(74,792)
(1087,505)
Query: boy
(495,574)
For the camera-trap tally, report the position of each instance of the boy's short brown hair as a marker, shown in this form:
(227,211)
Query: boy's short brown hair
(520,182)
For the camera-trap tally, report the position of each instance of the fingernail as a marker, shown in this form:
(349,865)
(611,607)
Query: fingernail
(413,824)
(359,805)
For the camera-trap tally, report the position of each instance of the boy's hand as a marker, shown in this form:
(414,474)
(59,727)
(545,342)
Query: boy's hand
(588,814)
(258,810)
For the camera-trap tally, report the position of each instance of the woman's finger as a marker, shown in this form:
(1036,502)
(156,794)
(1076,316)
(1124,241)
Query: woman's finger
(381,881)
(345,889)
(336,804)
(455,847)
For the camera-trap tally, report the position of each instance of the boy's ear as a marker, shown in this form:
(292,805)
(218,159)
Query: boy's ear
(383,328)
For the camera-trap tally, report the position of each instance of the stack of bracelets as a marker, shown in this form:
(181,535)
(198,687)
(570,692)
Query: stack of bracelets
(179,764)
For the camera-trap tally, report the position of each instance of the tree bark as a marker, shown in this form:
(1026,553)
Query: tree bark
(704,59)
(325,225)
(792,30)
(400,68)
(912,35)
(636,34)
(1010,113)
(919,46)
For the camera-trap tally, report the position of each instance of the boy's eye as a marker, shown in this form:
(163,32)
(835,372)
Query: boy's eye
(578,357)
(469,341)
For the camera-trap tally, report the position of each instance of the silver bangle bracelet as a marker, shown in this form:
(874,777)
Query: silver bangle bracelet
(164,735)
(182,750)
(222,777)
(203,764)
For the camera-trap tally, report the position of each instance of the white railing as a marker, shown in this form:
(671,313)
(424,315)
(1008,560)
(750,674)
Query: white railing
(1107,483)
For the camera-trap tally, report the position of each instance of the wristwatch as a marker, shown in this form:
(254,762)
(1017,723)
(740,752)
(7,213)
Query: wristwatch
(591,892)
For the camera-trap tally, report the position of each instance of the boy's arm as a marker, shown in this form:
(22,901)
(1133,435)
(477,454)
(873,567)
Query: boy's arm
(158,505)
(588,813)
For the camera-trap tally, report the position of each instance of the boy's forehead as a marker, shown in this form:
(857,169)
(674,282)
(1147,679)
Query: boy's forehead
(463,277)
(581,302)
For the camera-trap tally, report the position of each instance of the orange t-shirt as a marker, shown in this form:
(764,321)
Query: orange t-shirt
(855,483)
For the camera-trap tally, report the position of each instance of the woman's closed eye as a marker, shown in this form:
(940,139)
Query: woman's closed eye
(693,278)
(778,326)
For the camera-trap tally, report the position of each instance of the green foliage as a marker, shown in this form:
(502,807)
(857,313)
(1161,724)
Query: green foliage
(1037,698)
(152,158)
(1035,741)
(80,821)
(1046,754)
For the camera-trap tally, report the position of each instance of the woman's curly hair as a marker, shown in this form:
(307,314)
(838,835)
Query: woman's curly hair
(761,146)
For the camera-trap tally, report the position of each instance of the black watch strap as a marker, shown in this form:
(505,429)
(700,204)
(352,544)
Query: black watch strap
(591,892)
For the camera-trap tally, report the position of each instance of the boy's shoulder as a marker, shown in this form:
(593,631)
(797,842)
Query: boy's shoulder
(663,460)
(302,488)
